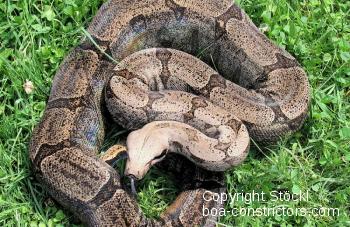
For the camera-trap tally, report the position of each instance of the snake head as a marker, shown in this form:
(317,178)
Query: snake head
(145,148)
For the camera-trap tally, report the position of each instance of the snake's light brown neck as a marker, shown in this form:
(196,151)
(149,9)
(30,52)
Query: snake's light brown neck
(151,143)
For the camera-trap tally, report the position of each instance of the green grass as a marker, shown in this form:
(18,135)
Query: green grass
(36,35)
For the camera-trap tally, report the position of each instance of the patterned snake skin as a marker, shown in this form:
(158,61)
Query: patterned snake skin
(176,102)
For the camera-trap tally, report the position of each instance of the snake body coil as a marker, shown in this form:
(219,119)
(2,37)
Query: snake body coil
(268,97)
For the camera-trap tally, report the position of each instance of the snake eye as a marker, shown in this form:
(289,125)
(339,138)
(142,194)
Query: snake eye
(162,155)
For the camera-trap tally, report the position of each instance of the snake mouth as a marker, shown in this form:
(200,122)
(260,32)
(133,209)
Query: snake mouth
(135,172)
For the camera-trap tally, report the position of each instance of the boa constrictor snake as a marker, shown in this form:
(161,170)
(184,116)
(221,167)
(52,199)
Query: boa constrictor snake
(176,102)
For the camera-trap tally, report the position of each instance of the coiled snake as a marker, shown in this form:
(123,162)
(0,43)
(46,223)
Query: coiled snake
(175,101)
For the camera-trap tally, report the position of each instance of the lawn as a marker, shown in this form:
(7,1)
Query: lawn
(35,36)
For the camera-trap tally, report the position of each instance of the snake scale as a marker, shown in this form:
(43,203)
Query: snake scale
(174,101)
